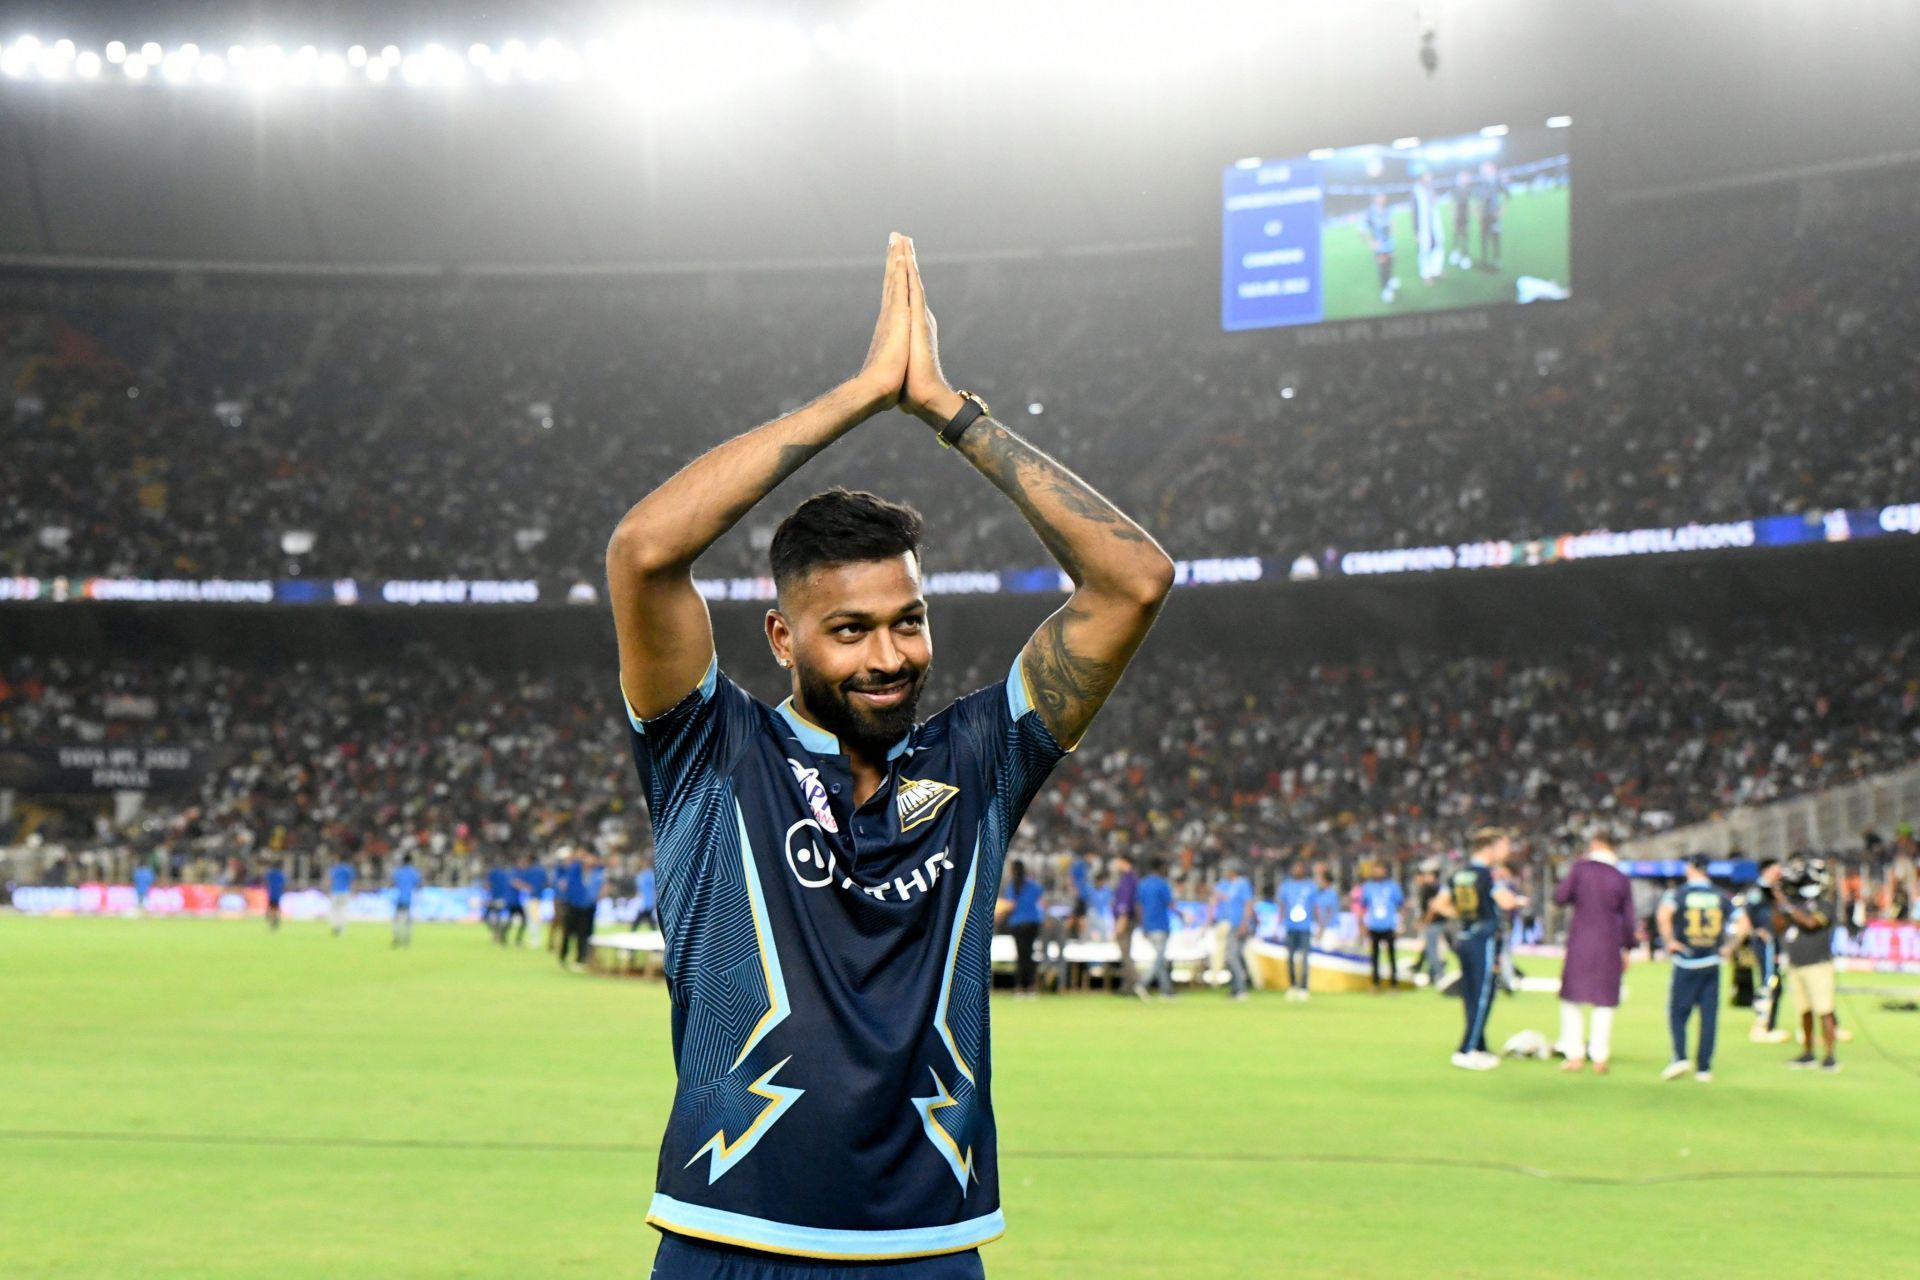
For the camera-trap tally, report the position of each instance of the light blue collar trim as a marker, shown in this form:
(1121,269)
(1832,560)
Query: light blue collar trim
(820,1242)
(822,743)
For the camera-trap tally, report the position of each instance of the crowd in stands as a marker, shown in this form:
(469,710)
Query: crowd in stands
(431,431)
(1243,758)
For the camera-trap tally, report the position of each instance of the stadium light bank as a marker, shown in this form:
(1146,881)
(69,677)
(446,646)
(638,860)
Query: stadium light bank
(691,52)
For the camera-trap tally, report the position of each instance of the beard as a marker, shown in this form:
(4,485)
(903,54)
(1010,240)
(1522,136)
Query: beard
(869,729)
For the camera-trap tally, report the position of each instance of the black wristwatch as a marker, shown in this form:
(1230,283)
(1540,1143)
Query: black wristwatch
(957,425)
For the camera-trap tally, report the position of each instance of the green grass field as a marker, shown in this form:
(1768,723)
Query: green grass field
(1535,243)
(199,1098)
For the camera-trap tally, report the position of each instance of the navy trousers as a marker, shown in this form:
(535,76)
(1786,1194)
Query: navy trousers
(1478,969)
(1694,989)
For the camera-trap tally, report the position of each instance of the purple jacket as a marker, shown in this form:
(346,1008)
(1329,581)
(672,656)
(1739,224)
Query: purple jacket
(1603,926)
(1126,897)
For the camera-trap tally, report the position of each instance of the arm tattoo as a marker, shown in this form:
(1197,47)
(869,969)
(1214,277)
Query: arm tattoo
(1019,470)
(1068,687)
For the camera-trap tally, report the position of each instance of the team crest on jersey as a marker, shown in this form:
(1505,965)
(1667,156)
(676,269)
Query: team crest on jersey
(816,794)
(920,798)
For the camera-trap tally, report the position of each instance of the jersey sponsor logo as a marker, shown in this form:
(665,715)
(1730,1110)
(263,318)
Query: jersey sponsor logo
(919,799)
(811,865)
(815,793)
(916,882)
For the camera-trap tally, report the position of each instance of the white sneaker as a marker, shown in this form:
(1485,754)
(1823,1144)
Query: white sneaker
(1475,1061)
(1704,1077)
(1676,1069)
(1488,1061)
(1760,1035)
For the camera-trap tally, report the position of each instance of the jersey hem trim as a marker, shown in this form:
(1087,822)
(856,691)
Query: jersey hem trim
(747,1232)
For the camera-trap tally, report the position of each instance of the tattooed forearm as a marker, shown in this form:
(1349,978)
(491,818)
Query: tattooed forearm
(1120,576)
(1077,526)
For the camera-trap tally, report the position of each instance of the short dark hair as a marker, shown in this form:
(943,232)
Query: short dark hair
(839,526)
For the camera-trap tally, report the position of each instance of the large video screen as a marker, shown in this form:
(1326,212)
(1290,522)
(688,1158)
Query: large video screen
(1407,226)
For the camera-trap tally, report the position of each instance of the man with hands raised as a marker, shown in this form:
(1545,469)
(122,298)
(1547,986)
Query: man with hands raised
(827,869)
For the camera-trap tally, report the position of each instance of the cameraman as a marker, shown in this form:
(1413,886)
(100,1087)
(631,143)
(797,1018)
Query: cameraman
(1810,912)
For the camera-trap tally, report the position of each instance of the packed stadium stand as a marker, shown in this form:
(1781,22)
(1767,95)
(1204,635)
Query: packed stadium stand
(488,431)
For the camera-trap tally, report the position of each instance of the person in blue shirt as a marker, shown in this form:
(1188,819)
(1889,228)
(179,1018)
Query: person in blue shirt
(339,894)
(1326,903)
(499,890)
(1377,226)
(532,881)
(1298,899)
(643,897)
(1021,909)
(1381,898)
(1471,898)
(142,885)
(581,879)
(516,907)
(406,878)
(1232,911)
(276,887)
(1155,898)
(1694,922)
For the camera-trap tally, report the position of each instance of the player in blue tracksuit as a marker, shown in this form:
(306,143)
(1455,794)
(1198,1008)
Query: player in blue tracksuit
(1471,897)
(828,867)
(1694,920)
(142,885)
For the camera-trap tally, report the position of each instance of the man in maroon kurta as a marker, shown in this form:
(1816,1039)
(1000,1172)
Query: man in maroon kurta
(1598,939)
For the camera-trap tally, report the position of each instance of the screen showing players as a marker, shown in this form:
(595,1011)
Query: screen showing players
(1398,227)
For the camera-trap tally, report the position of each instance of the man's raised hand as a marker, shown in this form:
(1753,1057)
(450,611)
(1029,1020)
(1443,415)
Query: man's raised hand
(884,374)
(927,397)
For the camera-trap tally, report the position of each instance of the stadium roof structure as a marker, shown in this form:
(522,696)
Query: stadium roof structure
(801,133)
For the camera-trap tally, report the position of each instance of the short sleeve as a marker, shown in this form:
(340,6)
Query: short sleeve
(684,756)
(1027,750)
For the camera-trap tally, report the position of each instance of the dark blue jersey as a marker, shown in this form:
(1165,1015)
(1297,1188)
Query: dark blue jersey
(1701,914)
(829,969)
(1472,886)
(1757,902)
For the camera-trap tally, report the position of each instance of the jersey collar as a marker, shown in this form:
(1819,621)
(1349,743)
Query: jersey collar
(820,742)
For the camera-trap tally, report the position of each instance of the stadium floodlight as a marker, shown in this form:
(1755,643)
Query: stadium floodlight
(212,68)
(65,50)
(1405,144)
(14,62)
(1286,393)
(1320,153)
(87,65)
(1247,162)
(357,56)
(391,55)
(378,71)
(1559,122)
(176,68)
(116,51)
(333,69)
(1494,131)
(414,69)
(135,67)
(479,54)
(1036,408)
(152,51)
